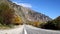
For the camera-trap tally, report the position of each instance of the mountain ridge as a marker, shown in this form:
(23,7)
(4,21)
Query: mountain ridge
(27,14)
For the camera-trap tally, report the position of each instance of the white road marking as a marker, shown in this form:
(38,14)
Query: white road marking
(27,29)
(25,32)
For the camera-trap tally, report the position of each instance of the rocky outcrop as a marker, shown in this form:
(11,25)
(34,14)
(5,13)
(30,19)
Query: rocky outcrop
(27,14)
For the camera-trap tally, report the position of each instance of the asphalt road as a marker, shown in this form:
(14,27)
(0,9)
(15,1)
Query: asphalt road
(27,29)
(34,30)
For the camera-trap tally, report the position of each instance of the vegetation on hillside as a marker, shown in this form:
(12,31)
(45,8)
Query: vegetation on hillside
(36,23)
(17,20)
(6,14)
(54,24)
(7,17)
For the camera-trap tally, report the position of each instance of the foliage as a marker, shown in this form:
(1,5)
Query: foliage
(17,19)
(54,24)
(41,25)
(6,13)
(1,20)
(36,23)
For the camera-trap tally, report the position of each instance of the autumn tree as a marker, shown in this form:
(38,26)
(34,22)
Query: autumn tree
(17,20)
(36,23)
(6,12)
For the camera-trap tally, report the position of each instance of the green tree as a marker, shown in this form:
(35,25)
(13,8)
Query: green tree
(6,12)
(54,24)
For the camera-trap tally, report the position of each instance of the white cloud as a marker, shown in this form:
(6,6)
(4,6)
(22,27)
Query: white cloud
(24,4)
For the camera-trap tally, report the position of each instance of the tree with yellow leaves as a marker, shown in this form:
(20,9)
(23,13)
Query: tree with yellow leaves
(17,19)
(36,23)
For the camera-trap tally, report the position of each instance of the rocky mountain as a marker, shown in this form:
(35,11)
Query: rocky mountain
(26,14)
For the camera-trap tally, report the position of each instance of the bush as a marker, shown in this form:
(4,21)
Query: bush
(6,13)
(1,20)
(49,25)
(54,24)
(17,20)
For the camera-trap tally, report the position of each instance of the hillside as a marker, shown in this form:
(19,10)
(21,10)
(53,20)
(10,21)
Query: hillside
(23,14)
(54,24)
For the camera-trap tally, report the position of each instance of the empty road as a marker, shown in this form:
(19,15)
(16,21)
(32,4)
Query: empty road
(34,30)
(27,29)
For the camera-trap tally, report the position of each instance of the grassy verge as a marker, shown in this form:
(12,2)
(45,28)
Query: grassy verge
(7,26)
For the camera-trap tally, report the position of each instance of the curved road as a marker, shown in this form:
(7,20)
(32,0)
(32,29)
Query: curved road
(34,30)
(27,29)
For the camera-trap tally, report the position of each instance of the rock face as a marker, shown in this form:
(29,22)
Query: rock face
(27,14)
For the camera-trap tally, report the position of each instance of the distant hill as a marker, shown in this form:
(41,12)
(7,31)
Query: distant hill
(54,24)
(24,14)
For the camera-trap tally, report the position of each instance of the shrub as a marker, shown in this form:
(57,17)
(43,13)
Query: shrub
(54,24)
(1,20)
(17,20)
(6,12)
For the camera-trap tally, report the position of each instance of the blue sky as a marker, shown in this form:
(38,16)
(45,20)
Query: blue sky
(50,8)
